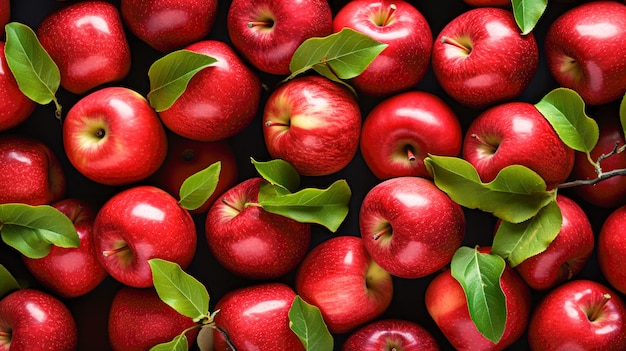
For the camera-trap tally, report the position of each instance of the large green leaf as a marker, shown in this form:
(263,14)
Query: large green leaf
(306,321)
(198,187)
(7,282)
(515,195)
(527,13)
(179,343)
(278,172)
(479,275)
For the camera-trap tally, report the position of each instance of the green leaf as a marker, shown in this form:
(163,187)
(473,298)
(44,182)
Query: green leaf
(479,275)
(32,230)
(565,110)
(170,75)
(527,13)
(179,290)
(622,114)
(347,54)
(517,242)
(328,207)
(198,187)
(515,195)
(278,172)
(7,282)
(179,343)
(306,321)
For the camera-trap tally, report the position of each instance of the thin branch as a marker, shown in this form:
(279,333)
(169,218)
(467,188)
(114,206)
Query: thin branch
(601,177)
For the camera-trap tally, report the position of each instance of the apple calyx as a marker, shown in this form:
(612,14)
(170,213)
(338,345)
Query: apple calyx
(384,17)
(464,44)
(571,67)
(594,313)
(188,155)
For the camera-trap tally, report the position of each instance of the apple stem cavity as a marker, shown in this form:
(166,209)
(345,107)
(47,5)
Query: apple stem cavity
(448,40)
(597,310)
(486,144)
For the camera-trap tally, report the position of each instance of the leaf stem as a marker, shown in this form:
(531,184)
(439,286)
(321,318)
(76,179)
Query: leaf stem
(58,113)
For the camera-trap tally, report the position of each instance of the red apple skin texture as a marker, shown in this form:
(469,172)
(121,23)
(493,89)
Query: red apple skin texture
(405,61)
(499,67)
(159,323)
(5,15)
(566,255)
(37,321)
(446,304)
(417,120)
(323,125)
(71,272)
(254,243)
(271,49)
(525,134)
(15,107)
(599,50)
(138,142)
(153,225)
(256,318)
(427,227)
(335,277)
(31,173)
(87,42)
(612,249)
(220,100)
(560,322)
(167,25)
(385,334)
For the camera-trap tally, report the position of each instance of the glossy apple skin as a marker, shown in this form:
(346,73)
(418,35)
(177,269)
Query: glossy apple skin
(270,48)
(114,137)
(519,134)
(414,123)
(566,255)
(423,226)
(251,242)
(15,107)
(591,35)
(167,25)
(71,272)
(256,318)
(88,43)
(391,334)
(161,323)
(501,64)
(561,321)
(340,278)
(406,60)
(31,172)
(612,249)
(228,92)
(36,321)
(312,123)
(151,223)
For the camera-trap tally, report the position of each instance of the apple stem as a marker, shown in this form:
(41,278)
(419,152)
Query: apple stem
(227,203)
(4,334)
(107,253)
(276,124)
(410,154)
(380,233)
(448,40)
(392,10)
(260,24)
(598,309)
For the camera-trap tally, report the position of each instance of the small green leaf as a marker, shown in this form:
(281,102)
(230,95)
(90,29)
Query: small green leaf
(622,114)
(527,13)
(306,321)
(479,275)
(517,242)
(32,230)
(179,290)
(170,75)
(7,282)
(347,54)
(278,172)
(565,110)
(179,343)
(515,195)
(328,207)
(198,187)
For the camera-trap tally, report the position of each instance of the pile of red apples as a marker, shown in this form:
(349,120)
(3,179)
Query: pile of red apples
(456,78)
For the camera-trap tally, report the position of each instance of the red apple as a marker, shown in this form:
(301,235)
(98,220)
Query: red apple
(516,133)
(341,279)
(34,320)
(480,57)
(410,227)
(582,50)
(167,25)
(139,320)
(579,315)
(219,101)
(15,107)
(31,172)
(138,224)
(114,137)
(312,123)
(256,318)
(5,15)
(88,43)
(71,272)
(251,242)
(400,25)
(391,334)
(268,32)
(612,249)
(404,129)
